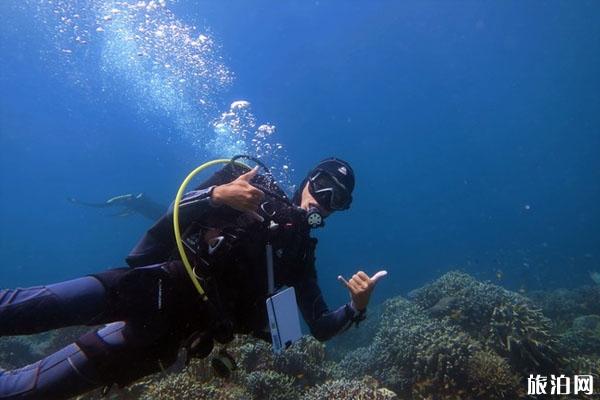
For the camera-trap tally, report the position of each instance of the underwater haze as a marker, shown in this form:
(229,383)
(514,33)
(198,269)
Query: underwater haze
(473,129)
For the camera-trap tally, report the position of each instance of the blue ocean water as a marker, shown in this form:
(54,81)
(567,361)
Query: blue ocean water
(473,128)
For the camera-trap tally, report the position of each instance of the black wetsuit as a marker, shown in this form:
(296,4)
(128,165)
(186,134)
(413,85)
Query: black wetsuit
(152,307)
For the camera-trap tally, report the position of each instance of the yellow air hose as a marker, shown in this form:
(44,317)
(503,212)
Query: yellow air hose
(176,227)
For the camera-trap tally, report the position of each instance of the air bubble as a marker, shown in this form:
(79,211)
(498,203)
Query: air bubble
(239,104)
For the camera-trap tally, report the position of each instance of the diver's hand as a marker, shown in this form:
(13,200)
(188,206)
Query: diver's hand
(240,194)
(361,287)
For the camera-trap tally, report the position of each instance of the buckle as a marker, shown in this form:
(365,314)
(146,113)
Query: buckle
(214,244)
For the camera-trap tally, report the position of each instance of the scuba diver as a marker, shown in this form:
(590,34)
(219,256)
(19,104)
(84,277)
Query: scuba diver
(232,225)
(130,204)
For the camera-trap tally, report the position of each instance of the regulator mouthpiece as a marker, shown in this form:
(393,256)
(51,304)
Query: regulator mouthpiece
(314,218)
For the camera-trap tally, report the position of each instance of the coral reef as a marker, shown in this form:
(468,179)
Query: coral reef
(506,321)
(260,375)
(415,353)
(564,305)
(357,336)
(365,389)
(456,338)
(60,338)
(16,352)
(583,338)
(586,365)
(491,375)
(252,354)
(271,385)
(304,361)
(186,386)
(523,334)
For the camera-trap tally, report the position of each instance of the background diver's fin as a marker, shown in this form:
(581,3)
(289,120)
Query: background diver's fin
(123,198)
(85,203)
(124,213)
(131,204)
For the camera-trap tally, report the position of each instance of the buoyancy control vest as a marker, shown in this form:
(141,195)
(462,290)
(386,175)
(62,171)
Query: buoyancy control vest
(227,251)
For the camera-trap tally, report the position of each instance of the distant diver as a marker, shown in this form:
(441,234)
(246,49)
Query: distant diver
(250,248)
(131,204)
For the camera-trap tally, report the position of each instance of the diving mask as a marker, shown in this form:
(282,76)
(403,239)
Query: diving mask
(329,192)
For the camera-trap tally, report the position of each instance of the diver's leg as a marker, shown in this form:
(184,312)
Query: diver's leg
(116,353)
(154,302)
(123,353)
(64,374)
(76,302)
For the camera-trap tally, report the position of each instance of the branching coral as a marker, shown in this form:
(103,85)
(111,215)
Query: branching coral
(523,335)
(464,300)
(186,386)
(583,338)
(305,360)
(491,377)
(252,354)
(365,389)
(504,320)
(564,305)
(271,385)
(412,352)
(459,339)
(585,365)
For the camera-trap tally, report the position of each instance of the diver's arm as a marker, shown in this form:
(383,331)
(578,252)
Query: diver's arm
(240,194)
(323,324)
(159,241)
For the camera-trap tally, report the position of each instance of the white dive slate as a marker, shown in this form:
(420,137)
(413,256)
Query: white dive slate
(284,321)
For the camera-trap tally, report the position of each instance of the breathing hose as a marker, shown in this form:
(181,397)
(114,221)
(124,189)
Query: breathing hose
(176,227)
